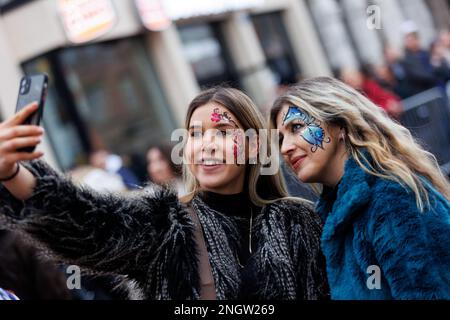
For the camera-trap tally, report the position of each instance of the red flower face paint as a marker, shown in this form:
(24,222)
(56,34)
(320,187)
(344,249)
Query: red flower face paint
(216,116)
(238,141)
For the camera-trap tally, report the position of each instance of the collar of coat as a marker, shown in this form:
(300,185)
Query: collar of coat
(285,263)
(271,242)
(353,193)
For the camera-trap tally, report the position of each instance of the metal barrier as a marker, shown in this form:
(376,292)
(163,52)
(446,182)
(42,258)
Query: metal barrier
(448,90)
(427,116)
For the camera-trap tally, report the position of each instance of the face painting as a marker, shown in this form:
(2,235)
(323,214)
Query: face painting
(217,117)
(238,140)
(312,133)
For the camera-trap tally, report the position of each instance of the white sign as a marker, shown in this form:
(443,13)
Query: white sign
(85,20)
(153,14)
(184,9)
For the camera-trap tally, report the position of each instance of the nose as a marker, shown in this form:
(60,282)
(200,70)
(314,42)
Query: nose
(208,142)
(287,146)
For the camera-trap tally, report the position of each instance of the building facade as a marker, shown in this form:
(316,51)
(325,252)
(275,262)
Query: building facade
(129,88)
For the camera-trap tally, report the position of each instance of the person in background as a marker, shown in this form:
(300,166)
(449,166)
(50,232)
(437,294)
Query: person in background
(98,179)
(383,98)
(418,69)
(161,169)
(444,38)
(441,69)
(391,75)
(113,163)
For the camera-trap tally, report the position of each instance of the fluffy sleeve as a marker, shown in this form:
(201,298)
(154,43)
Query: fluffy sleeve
(100,231)
(306,231)
(412,247)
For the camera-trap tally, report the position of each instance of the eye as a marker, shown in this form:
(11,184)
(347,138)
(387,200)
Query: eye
(280,139)
(296,127)
(222,133)
(196,134)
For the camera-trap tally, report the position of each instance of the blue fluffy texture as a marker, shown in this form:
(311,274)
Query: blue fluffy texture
(375,221)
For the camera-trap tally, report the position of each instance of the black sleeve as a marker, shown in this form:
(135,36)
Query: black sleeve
(306,231)
(104,232)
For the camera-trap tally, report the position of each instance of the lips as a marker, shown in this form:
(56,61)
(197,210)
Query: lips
(211,162)
(297,161)
(210,165)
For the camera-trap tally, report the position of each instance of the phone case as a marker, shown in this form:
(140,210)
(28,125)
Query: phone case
(32,88)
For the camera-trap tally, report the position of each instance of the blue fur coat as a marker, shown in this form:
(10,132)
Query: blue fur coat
(375,237)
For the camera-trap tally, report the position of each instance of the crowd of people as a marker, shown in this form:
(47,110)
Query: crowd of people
(403,75)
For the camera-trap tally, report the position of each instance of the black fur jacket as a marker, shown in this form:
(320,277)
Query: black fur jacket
(148,236)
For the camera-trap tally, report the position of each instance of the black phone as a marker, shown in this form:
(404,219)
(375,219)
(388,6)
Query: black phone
(32,88)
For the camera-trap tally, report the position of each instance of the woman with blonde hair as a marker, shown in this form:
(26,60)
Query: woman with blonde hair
(234,235)
(384,200)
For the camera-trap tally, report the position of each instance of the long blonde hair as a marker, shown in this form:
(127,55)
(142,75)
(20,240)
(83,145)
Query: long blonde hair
(395,154)
(262,189)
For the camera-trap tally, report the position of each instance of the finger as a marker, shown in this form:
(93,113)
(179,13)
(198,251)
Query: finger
(14,144)
(22,115)
(19,131)
(23,156)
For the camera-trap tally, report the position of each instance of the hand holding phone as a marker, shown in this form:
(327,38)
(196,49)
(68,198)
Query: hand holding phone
(21,133)
(32,88)
(14,136)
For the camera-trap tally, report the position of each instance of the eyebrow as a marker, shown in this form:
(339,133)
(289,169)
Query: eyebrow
(217,126)
(291,122)
(229,124)
(193,127)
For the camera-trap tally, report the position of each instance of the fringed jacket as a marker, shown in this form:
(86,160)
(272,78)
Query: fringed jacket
(149,237)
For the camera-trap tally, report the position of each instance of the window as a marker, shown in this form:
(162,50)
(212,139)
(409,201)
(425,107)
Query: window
(276,46)
(6,5)
(61,126)
(106,96)
(207,54)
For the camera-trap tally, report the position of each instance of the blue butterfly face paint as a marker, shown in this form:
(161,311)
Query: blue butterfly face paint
(312,133)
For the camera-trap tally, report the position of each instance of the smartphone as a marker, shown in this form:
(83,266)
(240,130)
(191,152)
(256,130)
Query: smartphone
(32,88)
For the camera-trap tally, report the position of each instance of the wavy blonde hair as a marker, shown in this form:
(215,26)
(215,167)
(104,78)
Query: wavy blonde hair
(395,154)
(262,189)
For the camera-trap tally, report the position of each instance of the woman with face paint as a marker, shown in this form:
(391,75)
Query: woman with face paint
(384,200)
(235,235)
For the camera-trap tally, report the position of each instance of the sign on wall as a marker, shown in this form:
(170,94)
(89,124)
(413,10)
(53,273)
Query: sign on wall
(181,9)
(156,15)
(85,20)
(153,14)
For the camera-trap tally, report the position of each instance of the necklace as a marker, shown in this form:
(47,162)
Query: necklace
(249,238)
(250,231)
